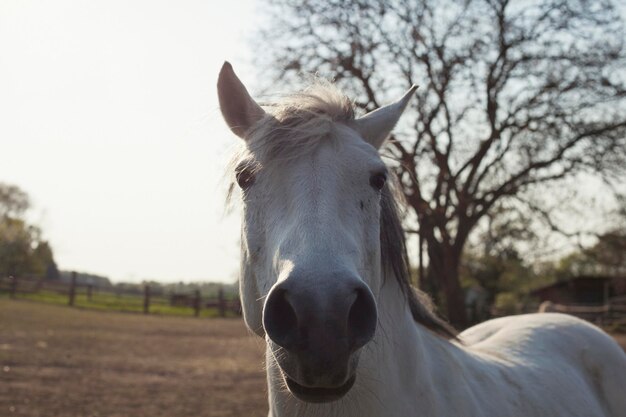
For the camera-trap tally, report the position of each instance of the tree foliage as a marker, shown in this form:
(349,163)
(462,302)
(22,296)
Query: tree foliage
(493,266)
(513,96)
(606,257)
(22,249)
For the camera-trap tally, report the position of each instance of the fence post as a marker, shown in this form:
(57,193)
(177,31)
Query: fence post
(13,285)
(221,302)
(196,304)
(146,299)
(72,294)
(89,291)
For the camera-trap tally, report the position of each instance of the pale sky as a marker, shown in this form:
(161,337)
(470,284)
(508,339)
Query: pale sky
(109,121)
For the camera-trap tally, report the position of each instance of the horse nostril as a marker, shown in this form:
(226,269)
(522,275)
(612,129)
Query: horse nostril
(279,319)
(362,319)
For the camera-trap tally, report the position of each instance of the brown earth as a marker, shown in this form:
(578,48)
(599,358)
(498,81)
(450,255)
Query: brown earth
(58,361)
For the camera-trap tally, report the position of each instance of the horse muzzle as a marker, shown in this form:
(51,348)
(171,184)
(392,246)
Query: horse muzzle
(315,333)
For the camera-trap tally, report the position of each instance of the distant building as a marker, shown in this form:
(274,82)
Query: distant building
(586,289)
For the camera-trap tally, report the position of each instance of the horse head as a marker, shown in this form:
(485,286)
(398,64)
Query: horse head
(312,182)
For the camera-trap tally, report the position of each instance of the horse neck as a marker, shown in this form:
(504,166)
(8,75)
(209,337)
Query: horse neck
(429,370)
(406,356)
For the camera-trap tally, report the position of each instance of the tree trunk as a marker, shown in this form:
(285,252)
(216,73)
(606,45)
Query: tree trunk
(455,300)
(443,268)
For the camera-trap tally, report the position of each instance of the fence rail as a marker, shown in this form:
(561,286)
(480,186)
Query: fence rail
(143,300)
(612,312)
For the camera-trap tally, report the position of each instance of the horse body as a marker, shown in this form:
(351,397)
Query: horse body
(554,364)
(325,281)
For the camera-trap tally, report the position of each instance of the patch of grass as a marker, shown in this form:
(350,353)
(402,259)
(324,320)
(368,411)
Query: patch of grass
(108,301)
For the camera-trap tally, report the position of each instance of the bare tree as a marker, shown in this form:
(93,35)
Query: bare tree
(513,95)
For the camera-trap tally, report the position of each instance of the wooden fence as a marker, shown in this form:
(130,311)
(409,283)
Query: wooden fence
(144,299)
(614,311)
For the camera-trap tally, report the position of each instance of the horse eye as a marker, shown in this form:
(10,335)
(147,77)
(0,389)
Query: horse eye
(378,180)
(244,176)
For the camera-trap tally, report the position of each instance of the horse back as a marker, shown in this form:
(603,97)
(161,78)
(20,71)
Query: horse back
(561,350)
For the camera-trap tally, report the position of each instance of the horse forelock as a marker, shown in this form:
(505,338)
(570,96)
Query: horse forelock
(297,124)
(294,127)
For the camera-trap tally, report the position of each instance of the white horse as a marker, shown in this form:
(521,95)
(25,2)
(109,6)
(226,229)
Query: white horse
(325,282)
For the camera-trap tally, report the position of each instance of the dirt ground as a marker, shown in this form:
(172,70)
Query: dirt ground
(58,361)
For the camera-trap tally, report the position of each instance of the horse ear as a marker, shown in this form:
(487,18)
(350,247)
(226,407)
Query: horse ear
(240,111)
(375,126)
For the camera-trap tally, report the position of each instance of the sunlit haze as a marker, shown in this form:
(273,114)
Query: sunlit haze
(109,121)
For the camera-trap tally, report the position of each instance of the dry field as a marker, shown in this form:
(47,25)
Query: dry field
(58,361)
